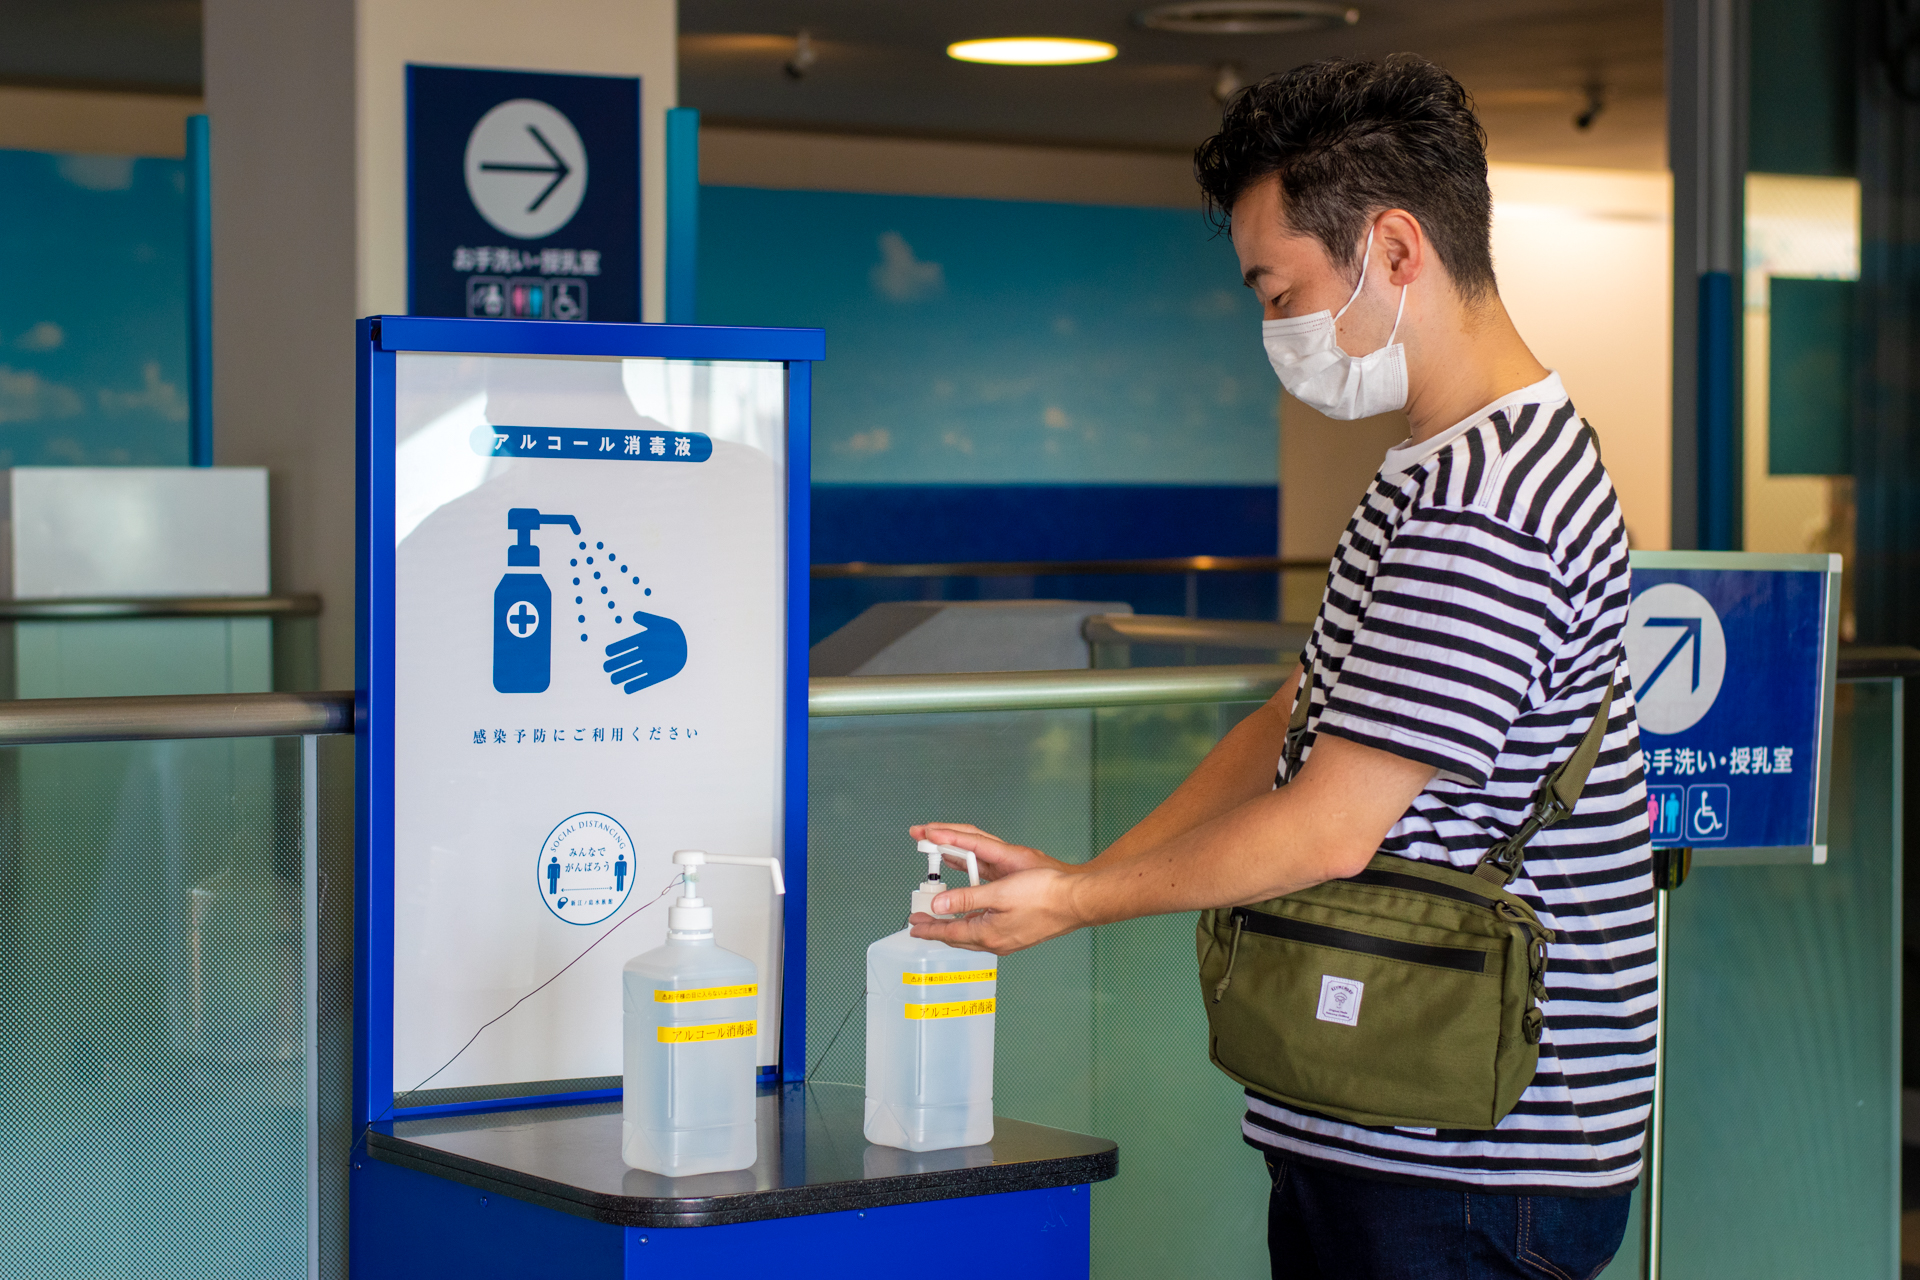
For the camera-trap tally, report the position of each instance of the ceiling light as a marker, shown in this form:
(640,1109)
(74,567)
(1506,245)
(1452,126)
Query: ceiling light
(1032,51)
(1246,17)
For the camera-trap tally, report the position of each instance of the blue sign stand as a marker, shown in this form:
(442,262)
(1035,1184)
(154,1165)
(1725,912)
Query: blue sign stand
(1733,658)
(506,1174)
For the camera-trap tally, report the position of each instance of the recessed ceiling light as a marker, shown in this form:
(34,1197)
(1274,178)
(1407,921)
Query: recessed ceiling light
(1246,17)
(1032,51)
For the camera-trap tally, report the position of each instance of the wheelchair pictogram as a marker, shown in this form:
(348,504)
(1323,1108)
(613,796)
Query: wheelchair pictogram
(1707,812)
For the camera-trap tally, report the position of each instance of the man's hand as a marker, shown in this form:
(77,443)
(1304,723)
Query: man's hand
(1033,887)
(996,857)
(1021,910)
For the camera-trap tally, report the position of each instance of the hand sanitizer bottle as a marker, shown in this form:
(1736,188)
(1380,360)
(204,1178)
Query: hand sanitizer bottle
(690,1027)
(930,1032)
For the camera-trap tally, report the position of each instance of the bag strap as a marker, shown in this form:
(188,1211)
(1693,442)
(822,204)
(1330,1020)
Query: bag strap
(1559,792)
(1297,722)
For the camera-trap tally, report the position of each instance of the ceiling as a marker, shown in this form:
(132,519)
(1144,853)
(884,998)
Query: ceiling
(881,66)
(150,45)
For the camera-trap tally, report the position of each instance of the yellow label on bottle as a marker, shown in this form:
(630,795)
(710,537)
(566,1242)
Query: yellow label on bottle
(947,979)
(711,1031)
(692,994)
(955,1009)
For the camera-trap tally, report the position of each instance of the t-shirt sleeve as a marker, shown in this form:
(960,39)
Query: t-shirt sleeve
(1462,619)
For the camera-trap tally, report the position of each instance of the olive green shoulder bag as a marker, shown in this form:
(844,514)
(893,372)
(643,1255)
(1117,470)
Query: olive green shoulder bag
(1406,995)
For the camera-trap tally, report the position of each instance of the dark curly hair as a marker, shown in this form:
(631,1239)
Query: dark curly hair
(1350,139)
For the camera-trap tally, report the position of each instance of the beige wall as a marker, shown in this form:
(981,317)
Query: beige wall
(307,100)
(1583,257)
(113,124)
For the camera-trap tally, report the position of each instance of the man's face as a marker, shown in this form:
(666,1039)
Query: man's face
(1293,275)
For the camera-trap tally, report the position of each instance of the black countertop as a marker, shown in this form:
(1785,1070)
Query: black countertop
(813,1159)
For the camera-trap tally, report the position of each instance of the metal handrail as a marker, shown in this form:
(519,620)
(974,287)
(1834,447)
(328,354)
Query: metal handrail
(204,715)
(98,607)
(275,715)
(1041,690)
(1062,568)
(1205,633)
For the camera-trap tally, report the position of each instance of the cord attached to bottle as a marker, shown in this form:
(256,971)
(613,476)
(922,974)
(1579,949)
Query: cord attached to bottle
(670,886)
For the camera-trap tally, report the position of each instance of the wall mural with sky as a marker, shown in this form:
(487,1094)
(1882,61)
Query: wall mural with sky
(93,320)
(1002,342)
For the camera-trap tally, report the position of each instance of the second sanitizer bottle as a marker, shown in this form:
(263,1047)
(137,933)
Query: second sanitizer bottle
(691,1025)
(930,1032)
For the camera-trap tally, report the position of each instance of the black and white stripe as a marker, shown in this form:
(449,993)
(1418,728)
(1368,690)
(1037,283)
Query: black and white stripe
(1474,614)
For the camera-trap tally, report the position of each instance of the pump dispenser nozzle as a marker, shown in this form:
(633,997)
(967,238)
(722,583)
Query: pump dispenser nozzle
(690,917)
(523,521)
(933,886)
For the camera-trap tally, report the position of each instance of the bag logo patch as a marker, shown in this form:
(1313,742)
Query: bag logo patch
(1340,1000)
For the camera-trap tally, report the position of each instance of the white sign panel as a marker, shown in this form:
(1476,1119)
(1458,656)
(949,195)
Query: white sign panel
(589,645)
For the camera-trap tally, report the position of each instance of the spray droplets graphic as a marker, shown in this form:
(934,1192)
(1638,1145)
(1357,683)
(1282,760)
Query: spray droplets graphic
(611,558)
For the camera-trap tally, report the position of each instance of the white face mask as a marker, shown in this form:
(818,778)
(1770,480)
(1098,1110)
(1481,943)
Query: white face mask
(1317,373)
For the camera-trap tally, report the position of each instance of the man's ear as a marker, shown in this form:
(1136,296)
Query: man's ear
(1404,241)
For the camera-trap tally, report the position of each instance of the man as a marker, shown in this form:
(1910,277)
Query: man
(1472,622)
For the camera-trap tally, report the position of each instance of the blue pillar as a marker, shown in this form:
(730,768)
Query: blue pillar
(1707,147)
(1718,423)
(683,212)
(199,296)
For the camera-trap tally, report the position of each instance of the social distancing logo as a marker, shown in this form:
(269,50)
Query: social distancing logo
(585,868)
(1677,653)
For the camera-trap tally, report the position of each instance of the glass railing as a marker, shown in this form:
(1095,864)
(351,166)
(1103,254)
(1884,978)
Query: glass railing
(1100,1032)
(175,975)
(161,908)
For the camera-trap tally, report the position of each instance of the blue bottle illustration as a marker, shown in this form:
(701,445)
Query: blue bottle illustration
(523,610)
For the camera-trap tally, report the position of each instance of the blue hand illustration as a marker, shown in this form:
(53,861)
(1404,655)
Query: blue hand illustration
(656,652)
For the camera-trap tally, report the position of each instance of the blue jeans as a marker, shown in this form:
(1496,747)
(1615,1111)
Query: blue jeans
(1323,1225)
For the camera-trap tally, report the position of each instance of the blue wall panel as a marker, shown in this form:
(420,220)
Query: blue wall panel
(93,319)
(1003,342)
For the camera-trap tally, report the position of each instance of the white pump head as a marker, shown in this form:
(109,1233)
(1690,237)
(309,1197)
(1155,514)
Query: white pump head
(932,887)
(692,918)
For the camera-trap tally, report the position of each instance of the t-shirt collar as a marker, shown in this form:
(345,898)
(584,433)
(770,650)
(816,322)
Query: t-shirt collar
(1407,454)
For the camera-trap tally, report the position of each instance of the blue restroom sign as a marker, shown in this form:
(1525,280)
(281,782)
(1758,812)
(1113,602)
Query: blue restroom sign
(585,869)
(1732,663)
(523,195)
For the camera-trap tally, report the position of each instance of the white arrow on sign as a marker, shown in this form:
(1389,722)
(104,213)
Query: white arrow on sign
(1677,654)
(526,168)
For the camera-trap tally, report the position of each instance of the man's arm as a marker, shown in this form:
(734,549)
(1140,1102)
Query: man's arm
(1239,768)
(1322,826)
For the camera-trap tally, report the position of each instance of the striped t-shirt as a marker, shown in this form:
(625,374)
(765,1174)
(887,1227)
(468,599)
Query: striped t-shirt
(1474,613)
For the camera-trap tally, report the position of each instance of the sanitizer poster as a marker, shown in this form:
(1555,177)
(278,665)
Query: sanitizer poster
(590,629)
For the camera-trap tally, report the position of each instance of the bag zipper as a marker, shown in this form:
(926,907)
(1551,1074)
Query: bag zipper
(1462,959)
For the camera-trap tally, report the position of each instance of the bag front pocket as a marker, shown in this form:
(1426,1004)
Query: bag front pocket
(1360,1023)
